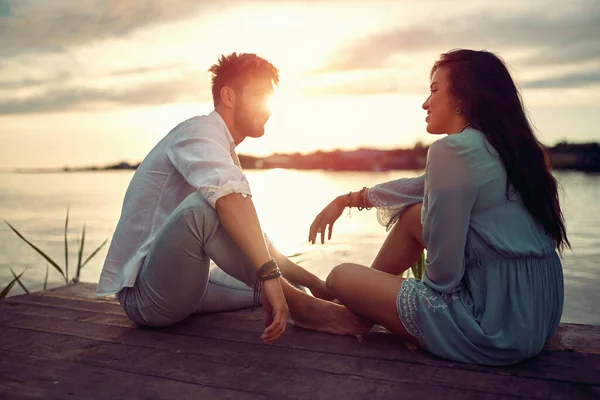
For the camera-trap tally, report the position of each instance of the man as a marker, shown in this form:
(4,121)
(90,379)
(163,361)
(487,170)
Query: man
(189,203)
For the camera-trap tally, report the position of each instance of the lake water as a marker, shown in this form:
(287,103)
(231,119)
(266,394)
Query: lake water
(287,202)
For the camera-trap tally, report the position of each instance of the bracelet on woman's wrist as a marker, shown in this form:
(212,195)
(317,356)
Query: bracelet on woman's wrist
(362,199)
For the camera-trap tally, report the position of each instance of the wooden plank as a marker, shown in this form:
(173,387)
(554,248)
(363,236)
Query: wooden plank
(30,377)
(562,366)
(576,337)
(110,307)
(46,310)
(237,374)
(79,290)
(569,337)
(19,391)
(572,366)
(309,360)
(384,346)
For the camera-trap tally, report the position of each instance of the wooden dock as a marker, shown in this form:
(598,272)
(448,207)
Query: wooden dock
(67,344)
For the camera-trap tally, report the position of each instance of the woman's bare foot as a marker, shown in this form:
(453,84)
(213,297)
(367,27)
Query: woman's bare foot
(325,316)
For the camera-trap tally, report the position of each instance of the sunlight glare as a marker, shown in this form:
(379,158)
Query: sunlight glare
(272,103)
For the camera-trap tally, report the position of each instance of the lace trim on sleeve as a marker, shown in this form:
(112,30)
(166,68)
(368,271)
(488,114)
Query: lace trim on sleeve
(391,198)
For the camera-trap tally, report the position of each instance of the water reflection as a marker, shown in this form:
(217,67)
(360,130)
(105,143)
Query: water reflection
(287,201)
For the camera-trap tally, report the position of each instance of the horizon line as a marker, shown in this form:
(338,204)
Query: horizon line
(417,145)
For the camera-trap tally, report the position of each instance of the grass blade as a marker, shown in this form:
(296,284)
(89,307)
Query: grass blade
(40,252)
(46,278)
(298,262)
(296,254)
(80,255)
(419,267)
(94,253)
(7,289)
(19,280)
(66,248)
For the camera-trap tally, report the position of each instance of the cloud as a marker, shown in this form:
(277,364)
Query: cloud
(64,77)
(565,81)
(367,84)
(575,52)
(58,77)
(557,36)
(551,33)
(149,69)
(374,51)
(32,26)
(188,87)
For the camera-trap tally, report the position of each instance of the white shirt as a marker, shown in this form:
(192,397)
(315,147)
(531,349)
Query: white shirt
(198,154)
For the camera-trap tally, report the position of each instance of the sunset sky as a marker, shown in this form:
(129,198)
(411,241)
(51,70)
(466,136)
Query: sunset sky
(97,81)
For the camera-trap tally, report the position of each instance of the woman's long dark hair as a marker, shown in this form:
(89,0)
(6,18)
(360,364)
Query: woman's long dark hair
(491,103)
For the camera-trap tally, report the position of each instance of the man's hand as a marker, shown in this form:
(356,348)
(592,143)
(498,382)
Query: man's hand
(276,310)
(239,219)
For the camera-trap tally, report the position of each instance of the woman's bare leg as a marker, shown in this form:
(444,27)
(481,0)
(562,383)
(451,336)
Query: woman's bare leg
(299,276)
(372,292)
(403,245)
(369,293)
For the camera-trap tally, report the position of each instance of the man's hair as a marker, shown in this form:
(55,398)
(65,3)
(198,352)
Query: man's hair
(234,70)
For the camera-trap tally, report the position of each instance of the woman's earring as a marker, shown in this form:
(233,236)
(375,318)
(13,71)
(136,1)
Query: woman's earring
(459,111)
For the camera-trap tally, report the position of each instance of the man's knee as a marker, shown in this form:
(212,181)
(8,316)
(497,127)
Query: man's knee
(197,207)
(195,201)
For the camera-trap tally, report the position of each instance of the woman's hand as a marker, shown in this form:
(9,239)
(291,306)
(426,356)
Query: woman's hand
(276,310)
(325,218)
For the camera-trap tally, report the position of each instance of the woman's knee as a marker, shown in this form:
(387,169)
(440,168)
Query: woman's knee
(411,221)
(338,275)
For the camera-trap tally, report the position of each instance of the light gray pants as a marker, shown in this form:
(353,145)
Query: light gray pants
(176,280)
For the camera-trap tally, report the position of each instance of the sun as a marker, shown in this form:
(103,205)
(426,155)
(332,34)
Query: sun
(280,101)
(272,102)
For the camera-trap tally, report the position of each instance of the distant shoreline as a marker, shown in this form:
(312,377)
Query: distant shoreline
(564,156)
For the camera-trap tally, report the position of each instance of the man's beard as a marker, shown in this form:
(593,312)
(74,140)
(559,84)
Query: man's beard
(244,124)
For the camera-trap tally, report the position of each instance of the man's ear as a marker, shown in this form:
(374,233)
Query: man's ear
(227,96)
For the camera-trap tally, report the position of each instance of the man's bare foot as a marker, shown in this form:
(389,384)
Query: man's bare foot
(319,290)
(325,316)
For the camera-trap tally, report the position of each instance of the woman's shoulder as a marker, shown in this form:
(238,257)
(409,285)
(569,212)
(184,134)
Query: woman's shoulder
(470,144)
(470,138)
(469,151)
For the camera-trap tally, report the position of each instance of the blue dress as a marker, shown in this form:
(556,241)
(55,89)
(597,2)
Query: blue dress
(492,292)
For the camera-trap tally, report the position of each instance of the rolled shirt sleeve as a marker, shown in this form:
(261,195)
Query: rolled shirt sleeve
(206,163)
(450,193)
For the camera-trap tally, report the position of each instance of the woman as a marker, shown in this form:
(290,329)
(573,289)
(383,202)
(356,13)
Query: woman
(488,213)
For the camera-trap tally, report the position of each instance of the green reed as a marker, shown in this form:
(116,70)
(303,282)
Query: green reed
(418,268)
(64,272)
